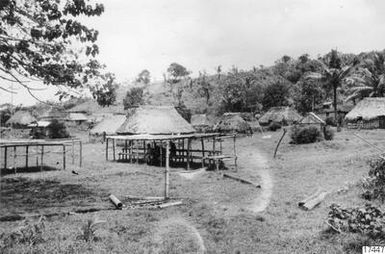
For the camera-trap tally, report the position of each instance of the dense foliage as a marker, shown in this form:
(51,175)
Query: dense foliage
(305,135)
(43,41)
(375,185)
(134,97)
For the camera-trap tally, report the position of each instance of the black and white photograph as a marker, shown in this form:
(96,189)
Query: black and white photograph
(192,126)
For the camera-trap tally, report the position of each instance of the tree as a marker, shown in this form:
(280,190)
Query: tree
(276,94)
(176,73)
(134,97)
(369,80)
(204,86)
(43,41)
(144,77)
(309,95)
(332,74)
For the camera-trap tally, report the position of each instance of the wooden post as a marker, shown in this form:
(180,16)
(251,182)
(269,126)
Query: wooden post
(73,152)
(64,157)
(107,149)
(80,153)
(26,156)
(161,154)
(137,152)
(5,157)
(130,144)
(279,142)
(113,149)
(214,152)
(188,153)
(235,155)
(41,158)
(203,152)
(167,177)
(14,159)
(125,150)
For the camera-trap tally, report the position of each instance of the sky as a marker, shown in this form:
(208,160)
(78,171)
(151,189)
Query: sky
(202,34)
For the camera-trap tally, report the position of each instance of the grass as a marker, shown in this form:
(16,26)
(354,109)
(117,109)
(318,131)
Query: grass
(214,207)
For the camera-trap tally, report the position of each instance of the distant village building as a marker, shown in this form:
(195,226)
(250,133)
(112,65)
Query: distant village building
(232,122)
(367,114)
(20,119)
(311,119)
(282,115)
(201,123)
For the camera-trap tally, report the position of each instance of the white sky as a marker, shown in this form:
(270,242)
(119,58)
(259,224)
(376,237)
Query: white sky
(202,34)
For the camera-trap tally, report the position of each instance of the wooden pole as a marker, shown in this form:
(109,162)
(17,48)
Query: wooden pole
(107,149)
(130,144)
(80,153)
(203,151)
(214,152)
(161,154)
(235,155)
(125,150)
(14,158)
(41,158)
(188,153)
(64,157)
(113,149)
(167,177)
(5,156)
(279,142)
(26,156)
(73,152)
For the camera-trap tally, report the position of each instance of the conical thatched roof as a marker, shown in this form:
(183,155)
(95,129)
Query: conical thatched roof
(231,122)
(155,120)
(280,115)
(368,109)
(200,120)
(22,118)
(312,118)
(109,125)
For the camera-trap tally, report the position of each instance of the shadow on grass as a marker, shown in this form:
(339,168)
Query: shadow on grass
(24,195)
(9,171)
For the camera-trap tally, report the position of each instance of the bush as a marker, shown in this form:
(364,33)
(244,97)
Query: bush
(305,135)
(374,188)
(330,121)
(273,126)
(328,133)
(57,130)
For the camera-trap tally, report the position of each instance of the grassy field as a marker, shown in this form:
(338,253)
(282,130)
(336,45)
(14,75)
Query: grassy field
(218,215)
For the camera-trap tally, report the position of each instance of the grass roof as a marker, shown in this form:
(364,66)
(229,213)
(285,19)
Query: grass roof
(367,109)
(21,118)
(280,114)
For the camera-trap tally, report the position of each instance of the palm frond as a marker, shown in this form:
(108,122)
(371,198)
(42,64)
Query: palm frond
(313,76)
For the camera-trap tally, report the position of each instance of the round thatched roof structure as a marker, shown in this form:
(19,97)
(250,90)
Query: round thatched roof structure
(283,115)
(367,109)
(232,123)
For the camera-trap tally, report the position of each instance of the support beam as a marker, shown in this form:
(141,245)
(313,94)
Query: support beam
(41,158)
(14,159)
(107,149)
(64,157)
(203,152)
(113,149)
(188,153)
(167,174)
(5,157)
(26,156)
(73,152)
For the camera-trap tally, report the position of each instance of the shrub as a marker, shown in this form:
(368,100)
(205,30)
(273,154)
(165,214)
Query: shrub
(330,121)
(273,126)
(57,130)
(328,133)
(305,135)
(374,187)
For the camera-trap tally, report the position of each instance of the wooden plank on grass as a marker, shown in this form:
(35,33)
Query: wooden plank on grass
(241,180)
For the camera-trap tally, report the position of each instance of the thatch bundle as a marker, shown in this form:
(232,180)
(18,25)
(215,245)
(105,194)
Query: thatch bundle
(232,123)
(283,115)
(21,118)
(155,120)
(367,109)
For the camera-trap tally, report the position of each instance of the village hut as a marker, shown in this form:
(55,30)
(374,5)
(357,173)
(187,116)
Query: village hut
(367,114)
(311,119)
(77,118)
(155,120)
(282,115)
(108,125)
(53,114)
(20,119)
(232,122)
(201,123)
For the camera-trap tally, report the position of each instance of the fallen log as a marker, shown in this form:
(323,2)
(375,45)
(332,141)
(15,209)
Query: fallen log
(241,180)
(116,201)
(164,205)
(312,201)
(145,198)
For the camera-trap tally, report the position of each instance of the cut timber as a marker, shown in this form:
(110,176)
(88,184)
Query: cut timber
(313,200)
(116,201)
(145,198)
(164,205)
(241,180)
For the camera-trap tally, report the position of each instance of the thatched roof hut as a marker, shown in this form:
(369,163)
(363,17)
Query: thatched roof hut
(21,119)
(109,125)
(230,122)
(312,118)
(283,115)
(155,120)
(367,109)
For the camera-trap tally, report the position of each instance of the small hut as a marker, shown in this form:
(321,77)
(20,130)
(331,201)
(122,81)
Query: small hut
(77,118)
(20,119)
(232,122)
(367,114)
(201,123)
(108,125)
(311,119)
(282,115)
(155,120)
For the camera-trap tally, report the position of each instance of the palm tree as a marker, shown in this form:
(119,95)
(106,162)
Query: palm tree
(332,75)
(369,81)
